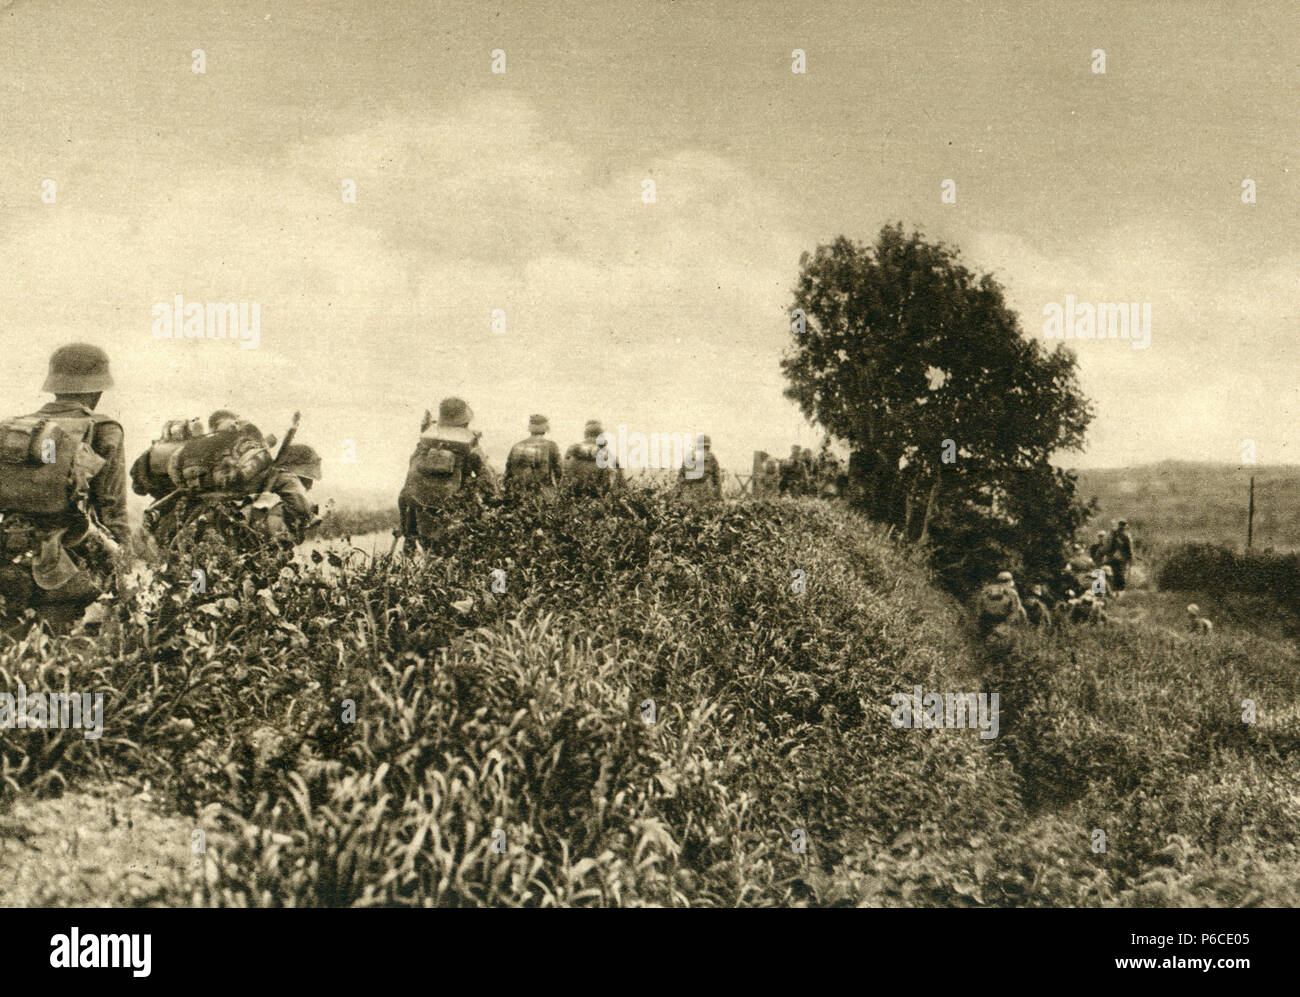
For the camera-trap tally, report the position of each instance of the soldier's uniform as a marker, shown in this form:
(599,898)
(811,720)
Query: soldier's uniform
(297,511)
(583,470)
(1035,607)
(1120,554)
(1099,549)
(108,487)
(447,467)
(999,605)
(828,471)
(704,483)
(71,560)
(533,463)
(1088,609)
(793,478)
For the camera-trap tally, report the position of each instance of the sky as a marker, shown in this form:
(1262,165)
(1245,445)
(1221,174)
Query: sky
(522,192)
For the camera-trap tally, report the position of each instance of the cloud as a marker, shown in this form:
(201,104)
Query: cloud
(665,316)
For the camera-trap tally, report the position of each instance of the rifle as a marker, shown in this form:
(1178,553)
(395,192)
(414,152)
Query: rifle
(284,445)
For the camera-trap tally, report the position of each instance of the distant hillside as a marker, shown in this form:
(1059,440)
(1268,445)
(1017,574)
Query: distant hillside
(1176,501)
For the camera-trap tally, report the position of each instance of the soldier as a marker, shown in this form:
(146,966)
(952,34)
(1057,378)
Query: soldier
(590,467)
(999,603)
(809,471)
(533,463)
(446,460)
(1064,607)
(704,482)
(1198,624)
(1035,606)
(793,479)
(291,489)
(59,539)
(1088,609)
(1120,554)
(1099,549)
(828,471)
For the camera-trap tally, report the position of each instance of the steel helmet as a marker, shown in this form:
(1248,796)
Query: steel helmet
(77,369)
(454,412)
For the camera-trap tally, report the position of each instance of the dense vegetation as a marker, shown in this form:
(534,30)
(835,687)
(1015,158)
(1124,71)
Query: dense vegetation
(1209,566)
(526,711)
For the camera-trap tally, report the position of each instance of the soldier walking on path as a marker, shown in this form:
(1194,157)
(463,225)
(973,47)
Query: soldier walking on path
(1120,554)
(1035,606)
(533,463)
(1099,549)
(446,466)
(999,604)
(793,478)
(703,483)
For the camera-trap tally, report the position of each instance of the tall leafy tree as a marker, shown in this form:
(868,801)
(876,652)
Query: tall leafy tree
(916,361)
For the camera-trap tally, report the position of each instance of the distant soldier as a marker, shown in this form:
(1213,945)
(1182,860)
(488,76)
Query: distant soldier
(1099,549)
(62,493)
(1079,569)
(703,483)
(1063,607)
(809,471)
(590,467)
(446,464)
(793,478)
(1198,624)
(771,480)
(1120,554)
(1036,610)
(828,470)
(1080,562)
(1088,609)
(533,463)
(999,603)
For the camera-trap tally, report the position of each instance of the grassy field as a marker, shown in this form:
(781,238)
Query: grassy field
(1176,502)
(653,712)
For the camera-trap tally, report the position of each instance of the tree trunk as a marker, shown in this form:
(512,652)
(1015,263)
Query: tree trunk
(929,510)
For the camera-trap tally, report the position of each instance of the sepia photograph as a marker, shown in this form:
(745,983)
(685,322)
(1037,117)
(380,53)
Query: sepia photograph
(638,453)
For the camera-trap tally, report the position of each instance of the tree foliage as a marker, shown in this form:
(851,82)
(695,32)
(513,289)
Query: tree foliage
(916,361)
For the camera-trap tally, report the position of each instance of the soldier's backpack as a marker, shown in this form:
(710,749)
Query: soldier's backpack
(997,603)
(580,464)
(528,462)
(151,472)
(232,460)
(437,467)
(46,464)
